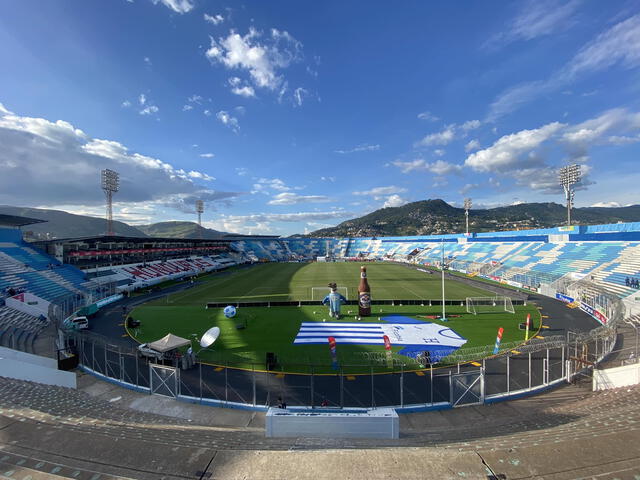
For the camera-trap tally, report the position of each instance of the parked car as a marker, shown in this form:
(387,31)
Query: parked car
(145,351)
(80,323)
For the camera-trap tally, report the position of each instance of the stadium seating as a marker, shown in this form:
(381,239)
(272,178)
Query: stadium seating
(19,330)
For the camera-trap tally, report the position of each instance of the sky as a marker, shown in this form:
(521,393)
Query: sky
(287,117)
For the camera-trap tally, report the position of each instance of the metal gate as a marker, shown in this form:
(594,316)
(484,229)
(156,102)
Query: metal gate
(164,380)
(467,388)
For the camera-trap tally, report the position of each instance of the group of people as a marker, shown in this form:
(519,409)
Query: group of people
(631,282)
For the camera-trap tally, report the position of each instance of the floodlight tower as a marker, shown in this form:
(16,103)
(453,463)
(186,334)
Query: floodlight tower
(110,184)
(200,211)
(467,207)
(569,176)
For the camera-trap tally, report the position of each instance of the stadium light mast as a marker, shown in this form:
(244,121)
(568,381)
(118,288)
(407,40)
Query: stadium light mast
(110,182)
(569,176)
(467,207)
(444,317)
(199,211)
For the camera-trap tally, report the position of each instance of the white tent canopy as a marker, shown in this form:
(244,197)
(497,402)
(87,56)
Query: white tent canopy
(169,342)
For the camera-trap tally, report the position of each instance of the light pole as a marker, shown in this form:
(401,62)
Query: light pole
(199,211)
(444,317)
(110,184)
(467,207)
(569,176)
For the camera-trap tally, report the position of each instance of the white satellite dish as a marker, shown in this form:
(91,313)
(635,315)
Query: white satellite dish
(209,337)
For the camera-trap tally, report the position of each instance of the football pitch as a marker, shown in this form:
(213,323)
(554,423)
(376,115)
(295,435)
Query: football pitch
(274,329)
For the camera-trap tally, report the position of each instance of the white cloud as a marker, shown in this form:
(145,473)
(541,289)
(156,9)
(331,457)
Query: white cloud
(195,99)
(289,198)
(149,110)
(428,116)
(359,148)
(238,87)
(147,61)
(467,188)
(125,104)
(439,152)
(439,167)
(606,204)
(508,152)
(262,61)
(264,184)
(611,127)
(536,19)
(178,6)
(298,96)
(470,125)
(394,201)
(228,120)
(378,193)
(146,108)
(328,179)
(207,113)
(242,171)
(186,108)
(46,147)
(444,137)
(207,155)
(619,45)
(264,222)
(214,19)
(200,176)
(472,145)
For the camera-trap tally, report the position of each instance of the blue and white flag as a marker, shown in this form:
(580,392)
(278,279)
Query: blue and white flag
(414,335)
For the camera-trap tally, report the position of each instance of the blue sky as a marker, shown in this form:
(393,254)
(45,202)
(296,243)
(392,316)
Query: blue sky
(289,116)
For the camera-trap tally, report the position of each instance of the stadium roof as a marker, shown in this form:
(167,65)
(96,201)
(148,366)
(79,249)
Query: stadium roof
(16,221)
(118,238)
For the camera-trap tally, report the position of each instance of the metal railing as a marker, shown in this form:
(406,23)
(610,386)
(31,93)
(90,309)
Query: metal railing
(472,376)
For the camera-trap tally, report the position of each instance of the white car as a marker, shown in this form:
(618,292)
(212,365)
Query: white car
(145,351)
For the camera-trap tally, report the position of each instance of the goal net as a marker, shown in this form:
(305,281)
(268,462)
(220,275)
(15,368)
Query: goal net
(318,293)
(478,305)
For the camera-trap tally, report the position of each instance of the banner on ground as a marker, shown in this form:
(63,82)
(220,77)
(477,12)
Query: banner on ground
(414,335)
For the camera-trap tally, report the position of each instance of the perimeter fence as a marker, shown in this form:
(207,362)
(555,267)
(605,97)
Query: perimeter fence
(472,376)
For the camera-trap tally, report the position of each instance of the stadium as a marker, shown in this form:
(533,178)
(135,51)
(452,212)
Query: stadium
(571,282)
(322,240)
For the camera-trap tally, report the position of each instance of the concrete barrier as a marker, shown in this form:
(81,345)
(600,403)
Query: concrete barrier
(325,423)
(616,377)
(33,368)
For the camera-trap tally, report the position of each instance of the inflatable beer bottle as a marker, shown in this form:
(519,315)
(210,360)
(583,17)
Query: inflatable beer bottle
(364,294)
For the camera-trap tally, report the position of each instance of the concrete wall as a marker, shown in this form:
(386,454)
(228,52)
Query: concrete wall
(33,368)
(377,423)
(29,303)
(616,377)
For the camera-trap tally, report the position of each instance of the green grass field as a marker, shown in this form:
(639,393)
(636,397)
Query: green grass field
(274,329)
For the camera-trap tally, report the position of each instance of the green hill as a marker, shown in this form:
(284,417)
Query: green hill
(66,225)
(431,217)
(177,229)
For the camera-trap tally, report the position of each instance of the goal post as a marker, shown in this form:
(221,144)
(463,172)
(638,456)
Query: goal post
(476,305)
(318,293)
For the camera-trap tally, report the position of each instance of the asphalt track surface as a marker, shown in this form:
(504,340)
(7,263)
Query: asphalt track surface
(394,389)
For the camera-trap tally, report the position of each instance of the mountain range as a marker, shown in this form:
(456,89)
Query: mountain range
(433,217)
(60,224)
(427,217)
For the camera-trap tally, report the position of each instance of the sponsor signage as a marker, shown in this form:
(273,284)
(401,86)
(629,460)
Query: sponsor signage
(599,316)
(564,298)
(92,253)
(108,300)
